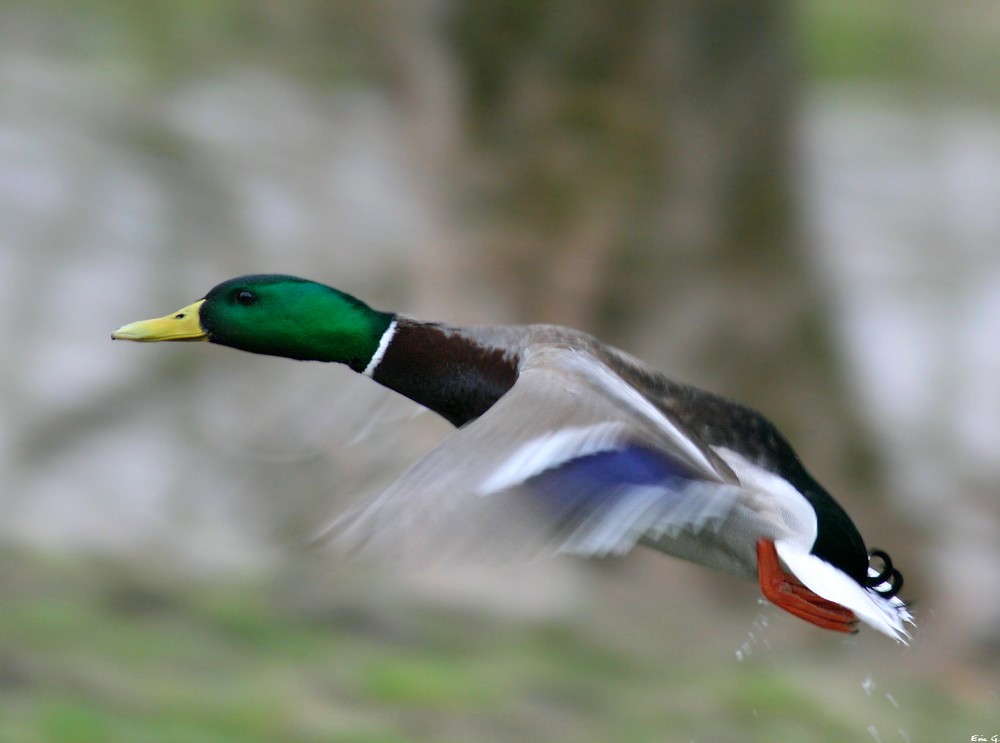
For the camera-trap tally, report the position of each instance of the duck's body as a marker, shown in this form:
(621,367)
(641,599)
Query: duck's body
(566,445)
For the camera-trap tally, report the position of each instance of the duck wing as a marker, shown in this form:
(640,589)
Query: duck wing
(572,459)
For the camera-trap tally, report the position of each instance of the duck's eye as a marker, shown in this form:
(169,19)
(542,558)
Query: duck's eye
(246,297)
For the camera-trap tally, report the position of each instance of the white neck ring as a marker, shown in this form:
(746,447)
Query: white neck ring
(383,344)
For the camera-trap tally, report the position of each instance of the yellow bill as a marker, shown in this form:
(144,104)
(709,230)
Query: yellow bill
(183,325)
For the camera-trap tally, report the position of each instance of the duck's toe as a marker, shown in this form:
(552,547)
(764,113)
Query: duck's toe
(786,592)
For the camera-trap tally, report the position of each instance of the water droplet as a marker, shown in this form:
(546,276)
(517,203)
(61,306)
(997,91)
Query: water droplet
(739,655)
(873,732)
(868,685)
(904,736)
(755,636)
(892,700)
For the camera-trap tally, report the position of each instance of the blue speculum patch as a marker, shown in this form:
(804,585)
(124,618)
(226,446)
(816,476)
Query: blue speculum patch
(590,482)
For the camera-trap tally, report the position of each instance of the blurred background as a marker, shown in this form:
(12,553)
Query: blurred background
(795,204)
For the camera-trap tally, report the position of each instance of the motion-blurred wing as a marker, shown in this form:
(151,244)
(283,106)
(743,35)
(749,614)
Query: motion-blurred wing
(571,460)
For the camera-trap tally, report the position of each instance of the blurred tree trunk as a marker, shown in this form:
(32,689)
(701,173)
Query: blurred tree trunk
(636,173)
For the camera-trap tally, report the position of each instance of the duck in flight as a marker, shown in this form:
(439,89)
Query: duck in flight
(564,446)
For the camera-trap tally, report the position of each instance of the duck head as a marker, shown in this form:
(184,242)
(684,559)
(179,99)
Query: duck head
(276,315)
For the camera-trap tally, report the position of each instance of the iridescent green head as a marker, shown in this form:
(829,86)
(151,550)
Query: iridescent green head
(274,315)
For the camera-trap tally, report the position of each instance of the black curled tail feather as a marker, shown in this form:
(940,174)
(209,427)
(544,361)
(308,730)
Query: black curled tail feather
(886,581)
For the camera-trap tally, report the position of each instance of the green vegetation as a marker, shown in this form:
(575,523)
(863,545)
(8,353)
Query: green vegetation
(104,653)
(923,46)
(853,39)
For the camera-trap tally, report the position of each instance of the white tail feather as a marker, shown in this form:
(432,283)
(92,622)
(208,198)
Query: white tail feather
(888,616)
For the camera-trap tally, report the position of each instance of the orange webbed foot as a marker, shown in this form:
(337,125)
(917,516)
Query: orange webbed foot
(786,592)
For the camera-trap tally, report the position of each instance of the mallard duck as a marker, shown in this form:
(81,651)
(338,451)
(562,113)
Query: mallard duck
(564,446)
